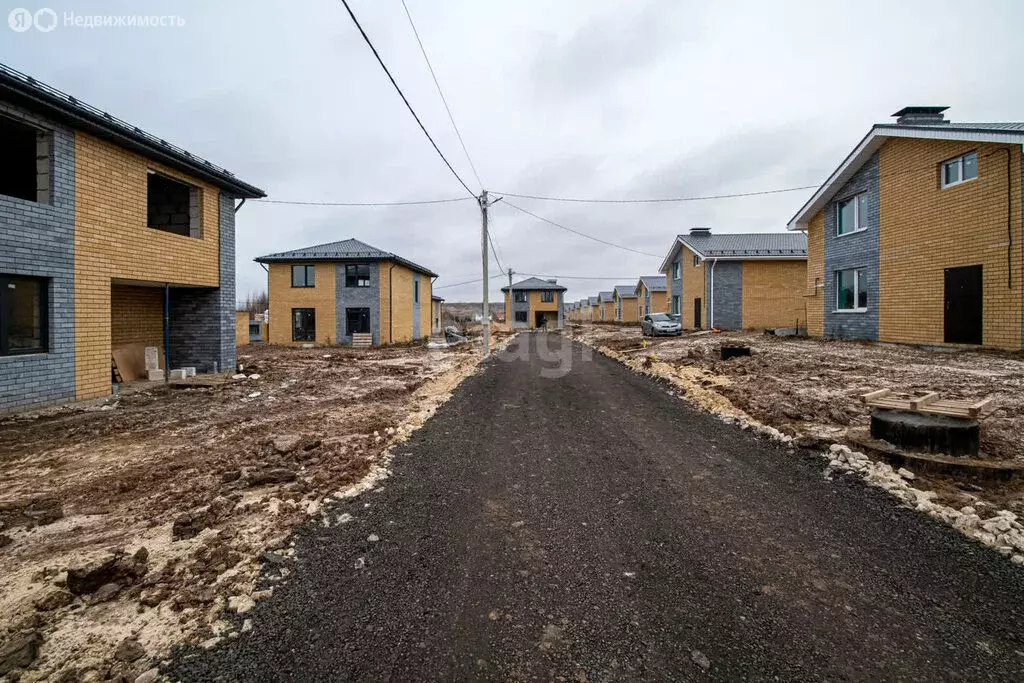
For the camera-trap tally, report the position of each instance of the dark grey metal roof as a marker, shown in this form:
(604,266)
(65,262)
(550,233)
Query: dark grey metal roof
(748,246)
(434,297)
(1006,126)
(625,291)
(654,283)
(27,92)
(593,301)
(345,250)
(604,296)
(536,283)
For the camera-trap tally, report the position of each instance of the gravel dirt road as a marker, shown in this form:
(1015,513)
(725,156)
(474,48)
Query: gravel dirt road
(587,525)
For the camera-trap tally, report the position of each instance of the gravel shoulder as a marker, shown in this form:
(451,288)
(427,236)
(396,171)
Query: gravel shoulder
(590,525)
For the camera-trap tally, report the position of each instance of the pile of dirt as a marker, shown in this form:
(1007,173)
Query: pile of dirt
(130,524)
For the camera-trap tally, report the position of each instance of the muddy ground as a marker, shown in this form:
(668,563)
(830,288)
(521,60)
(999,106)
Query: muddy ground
(811,388)
(131,524)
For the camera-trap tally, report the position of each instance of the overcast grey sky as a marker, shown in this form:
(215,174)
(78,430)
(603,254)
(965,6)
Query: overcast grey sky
(595,98)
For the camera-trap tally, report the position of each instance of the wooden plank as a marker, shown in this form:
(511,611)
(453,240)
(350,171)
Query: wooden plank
(875,395)
(975,409)
(920,401)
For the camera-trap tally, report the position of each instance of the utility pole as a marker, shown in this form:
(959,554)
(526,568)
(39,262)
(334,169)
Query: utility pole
(509,315)
(483,251)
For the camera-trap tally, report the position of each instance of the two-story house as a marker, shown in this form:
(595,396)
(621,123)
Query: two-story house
(916,236)
(651,295)
(111,241)
(737,281)
(329,292)
(624,302)
(533,303)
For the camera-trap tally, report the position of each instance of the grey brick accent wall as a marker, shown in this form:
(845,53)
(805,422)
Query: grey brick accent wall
(202,320)
(416,306)
(676,286)
(38,240)
(356,297)
(728,297)
(854,250)
(1020,236)
(559,297)
(520,306)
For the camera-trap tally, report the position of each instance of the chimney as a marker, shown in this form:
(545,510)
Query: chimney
(920,116)
(554,282)
(700,232)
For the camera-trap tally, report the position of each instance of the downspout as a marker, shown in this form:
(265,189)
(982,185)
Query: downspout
(711,298)
(391,308)
(240,205)
(167,332)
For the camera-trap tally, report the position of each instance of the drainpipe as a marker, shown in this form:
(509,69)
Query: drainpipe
(240,205)
(391,308)
(1009,216)
(167,332)
(711,299)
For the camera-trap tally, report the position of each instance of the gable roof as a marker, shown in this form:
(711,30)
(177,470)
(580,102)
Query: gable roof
(593,301)
(604,296)
(27,92)
(536,283)
(880,133)
(742,246)
(625,292)
(434,297)
(653,283)
(345,250)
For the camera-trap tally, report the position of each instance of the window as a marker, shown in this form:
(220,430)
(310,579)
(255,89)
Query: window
(303,324)
(675,305)
(676,270)
(522,316)
(303,276)
(173,206)
(357,321)
(416,291)
(547,297)
(519,297)
(852,214)
(696,261)
(357,276)
(851,290)
(25,173)
(23,315)
(960,170)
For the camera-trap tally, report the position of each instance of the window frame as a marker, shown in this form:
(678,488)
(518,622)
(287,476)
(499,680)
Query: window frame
(677,270)
(520,296)
(5,315)
(356,280)
(959,161)
(696,261)
(547,296)
(858,220)
(676,303)
(857,272)
(415,291)
(313,335)
(525,314)
(307,282)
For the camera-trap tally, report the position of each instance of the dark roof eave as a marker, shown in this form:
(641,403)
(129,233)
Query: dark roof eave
(341,258)
(36,99)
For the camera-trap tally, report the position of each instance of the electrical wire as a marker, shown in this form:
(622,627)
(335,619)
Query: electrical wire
(658,200)
(495,253)
(441,94)
(403,203)
(470,282)
(624,280)
(402,95)
(581,234)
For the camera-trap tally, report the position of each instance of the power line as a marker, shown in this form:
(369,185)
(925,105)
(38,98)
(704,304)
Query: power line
(581,234)
(659,199)
(582,277)
(403,203)
(441,94)
(402,95)
(470,282)
(495,253)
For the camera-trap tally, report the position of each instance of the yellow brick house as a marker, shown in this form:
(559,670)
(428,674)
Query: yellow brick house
(651,295)
(734,281)
(533,303)
(916,236)
(111,241)
(326,293)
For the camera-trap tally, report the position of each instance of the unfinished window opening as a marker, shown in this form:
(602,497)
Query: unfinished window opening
(173,206)
(519,297)
(357,321)
(25,171)
(522,316)
(303,324)
(547,297)
(23,315)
